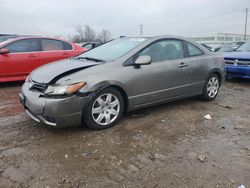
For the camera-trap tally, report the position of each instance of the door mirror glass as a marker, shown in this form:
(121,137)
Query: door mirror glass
(4,51)
(143,60)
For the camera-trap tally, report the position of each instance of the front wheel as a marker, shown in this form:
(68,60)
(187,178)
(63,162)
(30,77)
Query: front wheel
(211,87)
(104,110)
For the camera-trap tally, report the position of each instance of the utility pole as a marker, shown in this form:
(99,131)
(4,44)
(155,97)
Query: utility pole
(245,33)
(141,30)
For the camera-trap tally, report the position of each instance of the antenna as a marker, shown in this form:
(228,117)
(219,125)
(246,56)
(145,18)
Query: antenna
(141,30)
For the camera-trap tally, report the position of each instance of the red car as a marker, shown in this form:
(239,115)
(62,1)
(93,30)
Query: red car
(19,56)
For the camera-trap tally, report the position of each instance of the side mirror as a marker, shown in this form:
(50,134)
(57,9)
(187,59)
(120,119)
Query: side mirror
(143,60)
(4,51)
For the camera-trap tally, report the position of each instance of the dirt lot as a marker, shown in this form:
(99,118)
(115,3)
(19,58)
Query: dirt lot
(171,145)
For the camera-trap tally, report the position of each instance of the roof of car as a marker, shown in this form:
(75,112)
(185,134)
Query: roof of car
(164,36)
(25,37)
(28,37)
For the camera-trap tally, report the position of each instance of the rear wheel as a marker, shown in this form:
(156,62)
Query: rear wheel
(104,110)
(211,87)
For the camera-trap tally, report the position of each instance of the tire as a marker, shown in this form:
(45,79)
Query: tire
(211,88)
(104,110)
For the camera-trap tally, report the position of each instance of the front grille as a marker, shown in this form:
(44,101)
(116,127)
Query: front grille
(229,62)
(37,86)
(237,62)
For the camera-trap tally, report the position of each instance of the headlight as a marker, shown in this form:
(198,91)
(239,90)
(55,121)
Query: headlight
(64,90)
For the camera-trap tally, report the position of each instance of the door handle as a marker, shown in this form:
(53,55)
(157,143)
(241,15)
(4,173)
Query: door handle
(181,65)
(65,53)
(32,56)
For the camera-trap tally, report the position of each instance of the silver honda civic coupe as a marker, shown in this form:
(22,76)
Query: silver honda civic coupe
(98,86)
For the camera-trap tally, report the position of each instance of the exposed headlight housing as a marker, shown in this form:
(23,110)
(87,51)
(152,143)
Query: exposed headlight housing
(27,79)
(64,90)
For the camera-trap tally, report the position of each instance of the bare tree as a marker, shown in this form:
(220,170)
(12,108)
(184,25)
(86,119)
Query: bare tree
(86,34)
(89,34)
(104,36)
(80,32)
(76,39)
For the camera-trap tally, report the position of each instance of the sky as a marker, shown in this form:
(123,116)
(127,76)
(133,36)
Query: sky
(124,17)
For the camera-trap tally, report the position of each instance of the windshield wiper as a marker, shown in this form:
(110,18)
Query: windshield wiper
(242,50)
(90,58)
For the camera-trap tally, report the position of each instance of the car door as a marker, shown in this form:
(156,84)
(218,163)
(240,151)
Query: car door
(54,50)
(199,66)
(23,57)
(166,78)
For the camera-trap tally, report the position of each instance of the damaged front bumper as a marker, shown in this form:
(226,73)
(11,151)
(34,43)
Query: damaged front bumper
(57,112)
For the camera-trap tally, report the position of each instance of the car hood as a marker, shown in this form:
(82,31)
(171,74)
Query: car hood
(51,72)
(237,55)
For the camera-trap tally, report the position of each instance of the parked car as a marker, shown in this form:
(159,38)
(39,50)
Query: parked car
(238,62)
(229,47)
(90,45)
(20,55)
(125,74)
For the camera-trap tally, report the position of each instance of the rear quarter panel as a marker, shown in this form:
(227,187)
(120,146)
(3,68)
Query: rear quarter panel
(201,68)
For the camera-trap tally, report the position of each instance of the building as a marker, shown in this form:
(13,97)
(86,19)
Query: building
(220,38)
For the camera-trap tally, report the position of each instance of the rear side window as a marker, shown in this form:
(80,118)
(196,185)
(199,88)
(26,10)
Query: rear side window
(67,46)
(193,50)
(26,45)
(52,45)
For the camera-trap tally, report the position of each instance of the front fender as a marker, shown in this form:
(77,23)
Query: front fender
(104,84)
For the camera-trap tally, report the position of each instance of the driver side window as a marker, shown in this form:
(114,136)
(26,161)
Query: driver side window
(25,45)
(164,50)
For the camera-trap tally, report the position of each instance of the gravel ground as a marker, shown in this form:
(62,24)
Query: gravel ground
(170,145)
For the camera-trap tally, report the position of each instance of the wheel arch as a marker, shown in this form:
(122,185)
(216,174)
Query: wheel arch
(113,84)
(218,73)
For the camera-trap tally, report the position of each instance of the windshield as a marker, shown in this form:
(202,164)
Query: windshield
(113,50)
(244,47)
(228,47)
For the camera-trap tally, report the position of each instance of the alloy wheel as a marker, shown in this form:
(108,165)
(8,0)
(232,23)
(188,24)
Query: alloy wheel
(105,109)
(213,87)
